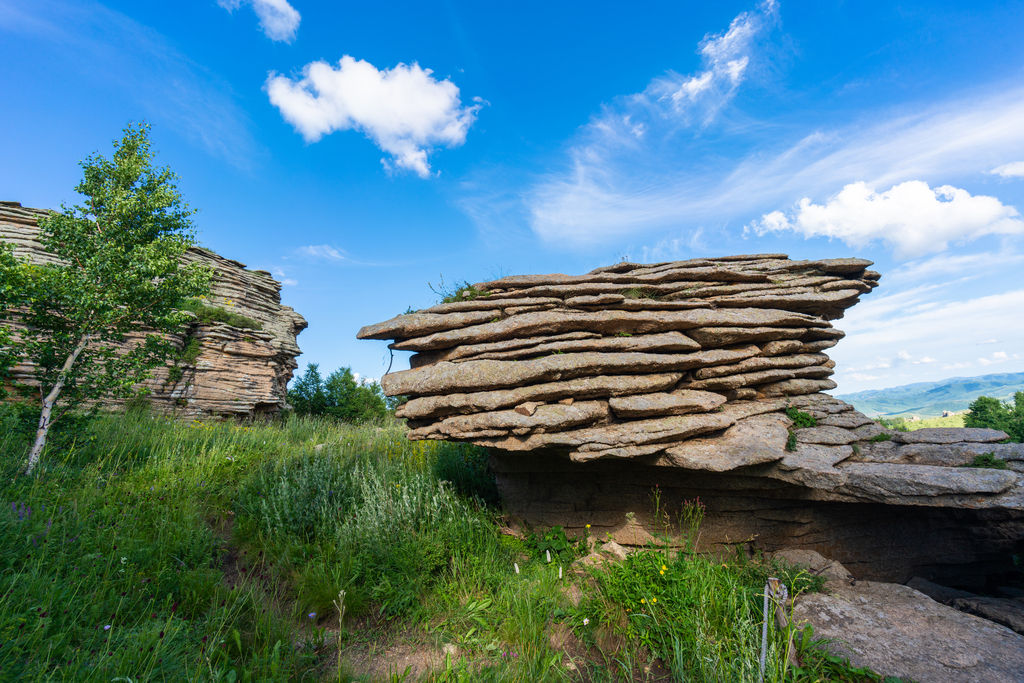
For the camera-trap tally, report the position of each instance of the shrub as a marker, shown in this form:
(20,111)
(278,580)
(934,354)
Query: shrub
(801,420)
(340,396)
(216,314)
(987,461)
(991,413)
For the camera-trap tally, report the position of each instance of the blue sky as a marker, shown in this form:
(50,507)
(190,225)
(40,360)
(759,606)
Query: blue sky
(363,150)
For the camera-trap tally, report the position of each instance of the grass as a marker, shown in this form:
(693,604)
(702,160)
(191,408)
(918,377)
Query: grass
(217,314)
(150,550)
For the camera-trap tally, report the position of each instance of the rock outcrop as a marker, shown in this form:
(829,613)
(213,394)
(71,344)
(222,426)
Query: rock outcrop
(704,379)
(225,370)
(897,631)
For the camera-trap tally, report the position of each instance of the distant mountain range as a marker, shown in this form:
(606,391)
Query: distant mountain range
(929,399)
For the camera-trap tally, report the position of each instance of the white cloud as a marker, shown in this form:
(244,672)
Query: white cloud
(404,110)
(278,20)
(602,194)
(615,186)
(998,357)
(988,341)
(322,251)
(975,265)
(1012,170)
(958,366)
(860,377)
(911,217)
(286,281)
(924,359)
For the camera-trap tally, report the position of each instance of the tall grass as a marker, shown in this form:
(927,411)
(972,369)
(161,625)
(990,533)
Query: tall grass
(152,550)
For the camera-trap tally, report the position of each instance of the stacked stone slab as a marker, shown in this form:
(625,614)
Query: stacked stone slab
(626,361)
(238,372)
(592,390)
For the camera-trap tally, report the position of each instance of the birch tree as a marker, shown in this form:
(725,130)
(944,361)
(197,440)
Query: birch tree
(121,276)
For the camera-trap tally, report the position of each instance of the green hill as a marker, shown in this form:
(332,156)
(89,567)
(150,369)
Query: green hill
(929,399)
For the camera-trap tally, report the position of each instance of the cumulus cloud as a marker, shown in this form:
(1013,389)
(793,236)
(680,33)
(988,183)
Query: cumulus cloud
(405,111)
(911,217)
(278,20)
(1012,170)
(998,357)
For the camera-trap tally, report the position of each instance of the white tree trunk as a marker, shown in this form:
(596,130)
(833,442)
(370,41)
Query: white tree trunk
(49,402)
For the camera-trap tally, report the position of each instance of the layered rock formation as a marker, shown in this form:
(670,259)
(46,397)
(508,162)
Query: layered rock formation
(701,378)
(225,371)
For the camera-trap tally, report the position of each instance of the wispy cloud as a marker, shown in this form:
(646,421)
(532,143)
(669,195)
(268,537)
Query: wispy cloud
(286,281)
(975,265)
(619,183)
(1012,170)
(405,111)
(602,194)
(278,20)
(167,87)
(911,217)
(323,252)
(998,357)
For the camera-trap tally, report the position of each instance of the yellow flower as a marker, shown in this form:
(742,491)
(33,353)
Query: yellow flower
(642,601)
(662,572)
(663,568)
(654,599)
(588,526)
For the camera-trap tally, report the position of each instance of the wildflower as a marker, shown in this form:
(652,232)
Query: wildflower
(516,565)
(663,568)
(559,572)
(654,599)
(643,601)
(662,572)
(548,554)
(588,526)
(312,615)
(585,621)
(107,627)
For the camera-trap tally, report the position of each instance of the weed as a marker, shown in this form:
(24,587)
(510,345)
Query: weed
(987,461)
(791,441)
(878,438)
(216,314)
(801,420)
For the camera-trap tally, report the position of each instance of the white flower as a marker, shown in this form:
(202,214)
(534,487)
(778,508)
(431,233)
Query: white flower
(107,627)
(585,621)
(559,572)
(516,565)
(548,553)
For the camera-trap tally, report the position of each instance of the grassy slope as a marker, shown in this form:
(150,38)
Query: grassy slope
(161,551)
(929,399)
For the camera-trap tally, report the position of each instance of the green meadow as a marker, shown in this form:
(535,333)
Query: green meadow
(145,549)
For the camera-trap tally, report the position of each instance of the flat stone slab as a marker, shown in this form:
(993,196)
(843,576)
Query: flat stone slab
(950,435)
(750,441)
(677,403)
(897,631)
(1006,611)
(887,482)
(829,436)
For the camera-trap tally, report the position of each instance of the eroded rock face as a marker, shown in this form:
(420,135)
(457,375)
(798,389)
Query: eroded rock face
(594,390)
(897,631)
(238,372)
